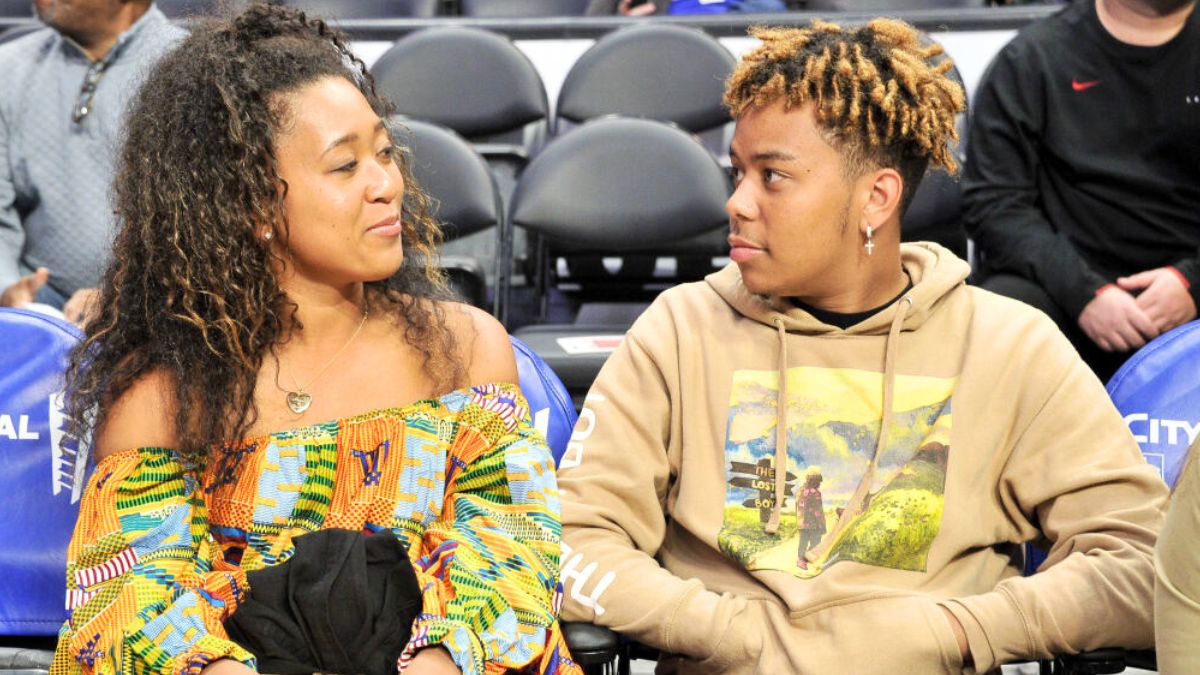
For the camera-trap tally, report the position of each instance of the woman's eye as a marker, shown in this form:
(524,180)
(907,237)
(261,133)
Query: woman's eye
(387,154)
(737,174)
(347,167)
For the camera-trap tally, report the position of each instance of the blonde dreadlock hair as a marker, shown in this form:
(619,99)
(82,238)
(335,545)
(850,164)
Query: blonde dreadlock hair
(880,96)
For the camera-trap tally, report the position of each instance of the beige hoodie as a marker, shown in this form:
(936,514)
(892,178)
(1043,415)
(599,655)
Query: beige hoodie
(675,533)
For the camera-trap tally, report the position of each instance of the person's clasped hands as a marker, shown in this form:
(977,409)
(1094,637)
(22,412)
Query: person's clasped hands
(22,293)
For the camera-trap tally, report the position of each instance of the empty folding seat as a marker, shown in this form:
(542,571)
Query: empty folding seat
(464,195)
(614,187)
(478,84)
(473,81)
(660,72)
(522,8)
(17,9)
(184,8)
(368,9)
(935,213)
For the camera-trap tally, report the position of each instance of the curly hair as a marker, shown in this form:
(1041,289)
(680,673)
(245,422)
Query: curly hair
(881,97)
(190,290)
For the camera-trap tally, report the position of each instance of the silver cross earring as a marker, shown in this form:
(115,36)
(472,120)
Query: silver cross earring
(870,245)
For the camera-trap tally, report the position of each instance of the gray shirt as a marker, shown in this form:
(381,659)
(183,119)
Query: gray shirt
(56,173)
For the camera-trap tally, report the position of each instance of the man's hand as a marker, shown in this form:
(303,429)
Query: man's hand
(433,661)
(81,308)
(645,9)
(1115,322)
(1164,297)
(25,289)
(226,667)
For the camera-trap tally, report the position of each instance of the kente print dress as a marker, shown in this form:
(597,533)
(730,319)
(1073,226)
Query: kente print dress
(159,559)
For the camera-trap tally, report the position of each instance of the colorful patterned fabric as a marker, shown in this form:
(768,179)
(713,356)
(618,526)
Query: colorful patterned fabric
(158,559)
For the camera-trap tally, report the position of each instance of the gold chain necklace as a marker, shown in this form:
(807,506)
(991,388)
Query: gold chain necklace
(299,400)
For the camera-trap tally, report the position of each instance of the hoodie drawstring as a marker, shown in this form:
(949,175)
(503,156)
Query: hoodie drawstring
(858,500)
(781,407)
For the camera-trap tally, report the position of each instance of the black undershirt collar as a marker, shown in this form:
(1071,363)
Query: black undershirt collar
(842,319)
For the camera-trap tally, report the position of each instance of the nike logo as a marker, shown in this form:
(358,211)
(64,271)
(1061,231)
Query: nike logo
(1080,86)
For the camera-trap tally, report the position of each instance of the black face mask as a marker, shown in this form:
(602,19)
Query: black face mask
(343,603)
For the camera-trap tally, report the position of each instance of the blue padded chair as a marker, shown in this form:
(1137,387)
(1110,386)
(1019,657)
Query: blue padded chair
(41,479)
(1158,392)
(553,413)
(550,405)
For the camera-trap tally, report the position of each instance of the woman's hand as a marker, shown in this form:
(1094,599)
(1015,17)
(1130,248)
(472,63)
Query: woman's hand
(433,661)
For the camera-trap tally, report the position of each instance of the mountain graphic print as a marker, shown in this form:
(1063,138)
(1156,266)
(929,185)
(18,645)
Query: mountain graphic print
(833,420)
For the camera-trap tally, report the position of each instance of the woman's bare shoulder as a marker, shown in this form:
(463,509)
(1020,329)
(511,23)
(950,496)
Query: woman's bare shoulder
(483,343)
(142,417)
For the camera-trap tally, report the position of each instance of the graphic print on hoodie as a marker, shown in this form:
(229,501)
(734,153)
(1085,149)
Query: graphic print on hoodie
(833,420)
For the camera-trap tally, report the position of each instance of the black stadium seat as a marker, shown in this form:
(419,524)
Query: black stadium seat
(522,8)
(464,193)
(368,9)
(475,82)
(616,186)
(885,6)
(178,9)
(478,84)
(935,213)
(660,72)
(16,9)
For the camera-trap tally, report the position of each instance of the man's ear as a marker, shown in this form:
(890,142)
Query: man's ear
(883,189)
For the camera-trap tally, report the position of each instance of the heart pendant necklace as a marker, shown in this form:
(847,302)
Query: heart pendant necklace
(299,400)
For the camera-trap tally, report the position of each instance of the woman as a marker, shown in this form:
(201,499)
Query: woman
(273,281)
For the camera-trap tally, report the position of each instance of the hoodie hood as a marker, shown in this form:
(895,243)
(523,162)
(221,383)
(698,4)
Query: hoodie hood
(934,272)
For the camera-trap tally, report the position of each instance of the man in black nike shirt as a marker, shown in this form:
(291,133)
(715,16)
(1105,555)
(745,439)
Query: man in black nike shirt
(1083,174)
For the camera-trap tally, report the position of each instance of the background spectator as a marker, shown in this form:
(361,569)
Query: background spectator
(1081,187)
(62,104)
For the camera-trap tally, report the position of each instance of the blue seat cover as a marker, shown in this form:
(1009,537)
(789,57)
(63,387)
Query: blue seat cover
(550,405)
(41,481)
(1158,392)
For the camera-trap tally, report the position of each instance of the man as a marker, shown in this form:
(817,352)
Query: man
(1081,185)
(951,425)
(62,106)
